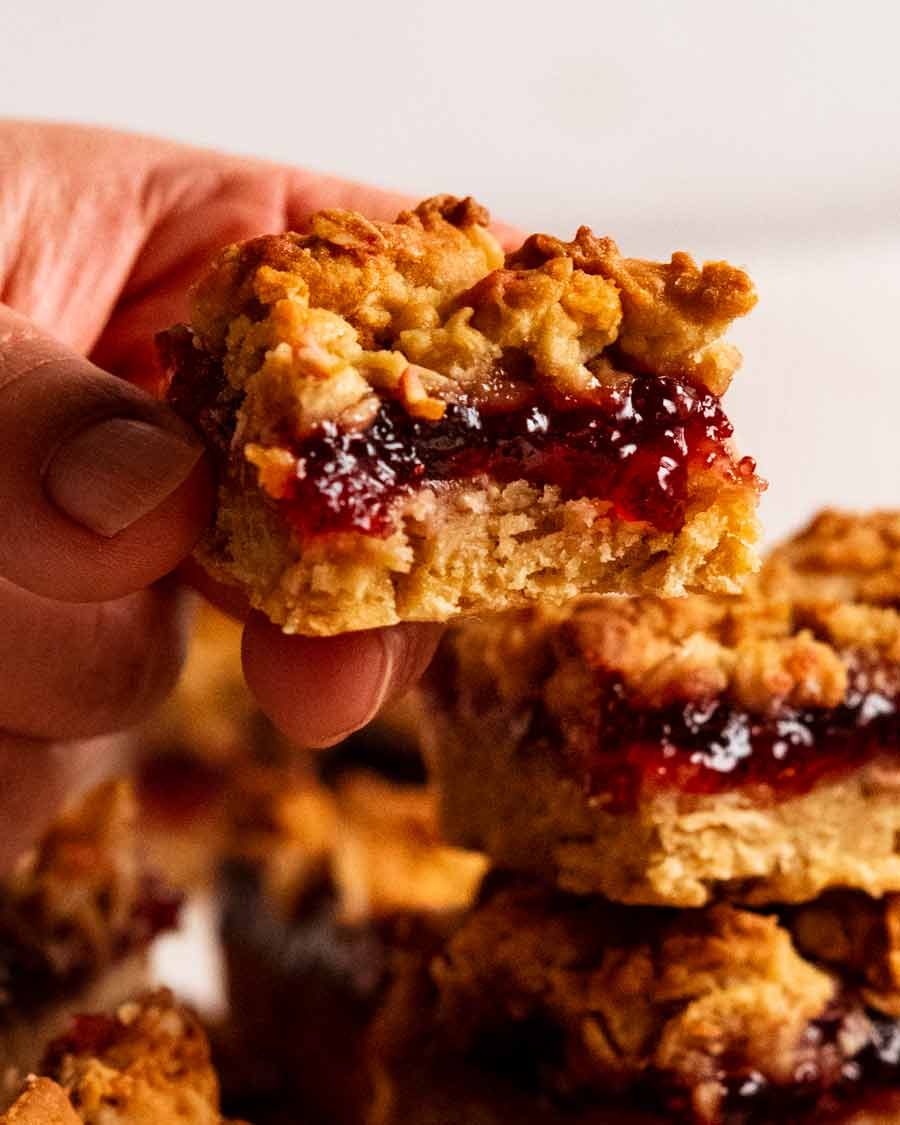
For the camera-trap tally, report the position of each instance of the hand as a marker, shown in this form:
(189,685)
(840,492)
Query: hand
(103,491)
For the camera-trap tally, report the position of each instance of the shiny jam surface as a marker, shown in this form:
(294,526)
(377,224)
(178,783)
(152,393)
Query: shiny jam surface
(632,446)
(705,748)
(827,1085)
(848,1060)
(89,1034)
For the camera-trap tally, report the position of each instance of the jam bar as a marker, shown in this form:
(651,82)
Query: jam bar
(667,751)
(555,1009)
(147,1062)
(321,889)
(409,426)
(77,915)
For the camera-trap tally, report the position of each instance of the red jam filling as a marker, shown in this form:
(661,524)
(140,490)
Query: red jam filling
(178,786)
(827,1085)
(631,446)
(834,1075)
(89,1034)
(713,747)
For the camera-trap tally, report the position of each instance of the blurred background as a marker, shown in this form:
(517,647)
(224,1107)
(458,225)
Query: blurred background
(768,133)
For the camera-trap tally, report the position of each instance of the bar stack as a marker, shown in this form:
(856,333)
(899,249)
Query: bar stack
(692,812)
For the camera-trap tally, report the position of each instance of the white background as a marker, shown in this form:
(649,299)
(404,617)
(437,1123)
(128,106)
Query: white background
(766,132)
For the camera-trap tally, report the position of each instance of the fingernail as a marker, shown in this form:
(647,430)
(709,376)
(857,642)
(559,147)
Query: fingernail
(112,473)
(381,684)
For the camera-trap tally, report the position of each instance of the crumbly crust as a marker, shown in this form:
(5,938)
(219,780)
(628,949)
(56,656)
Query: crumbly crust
(625,1002)
(374,843)
(42,1102)
(472,550)
(840,556)
(531,816)
(327,326)
(149,1062)
(520,701)
(73,899)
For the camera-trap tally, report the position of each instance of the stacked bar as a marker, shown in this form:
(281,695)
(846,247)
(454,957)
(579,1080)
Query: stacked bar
(324,889)
(77,915)
(692,912)
(146,1062)
(692,811)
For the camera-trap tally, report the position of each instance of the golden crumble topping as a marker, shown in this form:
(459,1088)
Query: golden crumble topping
(673,313)
(626,995)
(42,1102)
(317,326)
(150,1062)
(375,842)
(840,556)
(788,642)
(858,936)
(75,894)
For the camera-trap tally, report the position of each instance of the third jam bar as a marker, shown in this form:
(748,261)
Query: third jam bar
(661,751)
(408,425)
(551,1009)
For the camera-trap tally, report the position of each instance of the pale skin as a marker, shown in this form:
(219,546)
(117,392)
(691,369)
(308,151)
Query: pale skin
(103,491)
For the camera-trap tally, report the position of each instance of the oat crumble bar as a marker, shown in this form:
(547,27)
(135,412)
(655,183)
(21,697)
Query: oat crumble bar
(672,751)
(555,1009)
(321,887)
(77,914)
(409,426)
(146,1064)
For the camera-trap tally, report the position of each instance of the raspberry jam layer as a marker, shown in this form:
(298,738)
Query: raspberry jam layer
(632,446)
(848,1061)
(827,1084)
(713,747)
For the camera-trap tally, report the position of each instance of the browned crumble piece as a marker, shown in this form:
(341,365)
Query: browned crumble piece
(554,1009)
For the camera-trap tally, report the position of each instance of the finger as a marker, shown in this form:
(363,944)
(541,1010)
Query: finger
(102,489)
(70,671)
(38,778)
(320,689)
